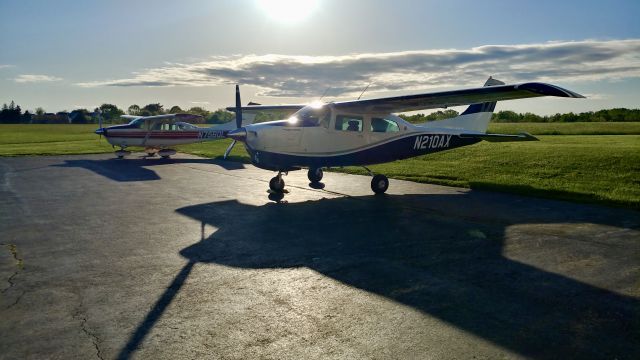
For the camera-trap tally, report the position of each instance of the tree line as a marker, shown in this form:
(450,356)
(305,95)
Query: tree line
(12,114)
(507,116)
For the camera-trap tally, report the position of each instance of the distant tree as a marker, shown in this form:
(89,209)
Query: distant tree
(152,109)
(11,114)
(26,117)
(133,110)
(175,110)
(221,116)
(269,116)
(436,115)
(110,112)
(39,111)
(197,110)
(80,116)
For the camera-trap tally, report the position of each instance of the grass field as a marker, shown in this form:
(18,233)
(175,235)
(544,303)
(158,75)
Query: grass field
(584,128)
(602,169)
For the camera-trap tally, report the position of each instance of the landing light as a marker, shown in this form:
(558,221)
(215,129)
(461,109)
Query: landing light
(316,104)
(293,120)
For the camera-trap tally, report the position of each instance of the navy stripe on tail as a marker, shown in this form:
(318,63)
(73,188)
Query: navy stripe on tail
(484,107)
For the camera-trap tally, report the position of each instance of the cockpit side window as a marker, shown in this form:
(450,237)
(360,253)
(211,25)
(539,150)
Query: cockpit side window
(349,123)
(137,124)
(384,125)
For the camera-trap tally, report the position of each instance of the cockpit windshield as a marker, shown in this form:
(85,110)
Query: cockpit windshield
(137,123)
(311,115)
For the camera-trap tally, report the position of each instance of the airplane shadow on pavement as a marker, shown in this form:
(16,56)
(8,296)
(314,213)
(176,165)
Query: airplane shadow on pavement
(137,168)
(446,264)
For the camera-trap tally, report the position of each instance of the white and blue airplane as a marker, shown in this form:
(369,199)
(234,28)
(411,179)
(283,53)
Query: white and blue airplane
(366,132)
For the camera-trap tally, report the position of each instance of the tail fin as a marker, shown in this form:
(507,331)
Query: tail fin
(483,107)
(474,119)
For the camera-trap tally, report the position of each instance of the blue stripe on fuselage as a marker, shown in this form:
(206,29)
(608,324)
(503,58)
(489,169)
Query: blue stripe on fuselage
(406,147)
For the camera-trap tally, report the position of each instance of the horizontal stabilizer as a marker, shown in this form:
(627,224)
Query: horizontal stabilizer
(502,137)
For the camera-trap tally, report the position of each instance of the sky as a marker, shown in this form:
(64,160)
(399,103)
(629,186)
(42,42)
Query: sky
(64,54)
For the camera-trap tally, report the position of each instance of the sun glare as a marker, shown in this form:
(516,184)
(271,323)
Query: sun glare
(288,11)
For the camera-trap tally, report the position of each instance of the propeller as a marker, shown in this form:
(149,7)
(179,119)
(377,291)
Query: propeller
(238,108)
(238,120)
(100,130)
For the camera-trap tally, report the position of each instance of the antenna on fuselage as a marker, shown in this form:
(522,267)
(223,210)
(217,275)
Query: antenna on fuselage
(365,89)
(325,93)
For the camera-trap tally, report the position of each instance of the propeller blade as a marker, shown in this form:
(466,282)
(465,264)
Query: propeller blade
(238,108)
(226,153)
(100,130)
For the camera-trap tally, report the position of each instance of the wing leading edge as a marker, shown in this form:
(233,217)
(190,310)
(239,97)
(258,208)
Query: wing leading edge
(446,99)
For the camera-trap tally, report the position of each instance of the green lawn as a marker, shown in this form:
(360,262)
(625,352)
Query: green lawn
(602,169)
(581,128)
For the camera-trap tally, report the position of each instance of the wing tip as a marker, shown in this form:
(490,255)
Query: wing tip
(548,90)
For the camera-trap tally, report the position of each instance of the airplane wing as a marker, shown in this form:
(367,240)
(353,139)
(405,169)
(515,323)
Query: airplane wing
(130,117)
(446,99)
(182,117)
(268,108)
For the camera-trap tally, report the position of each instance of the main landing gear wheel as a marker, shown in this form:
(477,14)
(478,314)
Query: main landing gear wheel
(315,175)
(122,153)
(379,184)
(277,184)
(166,153)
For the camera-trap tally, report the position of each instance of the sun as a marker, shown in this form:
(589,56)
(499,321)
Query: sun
(288,10)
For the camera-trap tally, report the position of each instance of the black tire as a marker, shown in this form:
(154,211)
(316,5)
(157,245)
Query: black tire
(379,184)
(276,184)
(315,175)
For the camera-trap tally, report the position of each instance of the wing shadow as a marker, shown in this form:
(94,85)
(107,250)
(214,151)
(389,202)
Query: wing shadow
(432,261)
(137,169)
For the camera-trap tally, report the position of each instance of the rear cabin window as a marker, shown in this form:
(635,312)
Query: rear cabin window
(349,123)
(384,125)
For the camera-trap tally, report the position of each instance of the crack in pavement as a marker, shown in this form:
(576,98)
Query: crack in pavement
(83,326)
(19,263)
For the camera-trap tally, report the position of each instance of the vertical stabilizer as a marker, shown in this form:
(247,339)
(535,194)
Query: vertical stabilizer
(474,119)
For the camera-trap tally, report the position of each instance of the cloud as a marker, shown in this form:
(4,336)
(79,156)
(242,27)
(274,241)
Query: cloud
(303,76)
(30,78)
(5,66)
(200,102)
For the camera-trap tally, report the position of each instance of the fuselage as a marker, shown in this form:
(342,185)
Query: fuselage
(161,133)
(322,137)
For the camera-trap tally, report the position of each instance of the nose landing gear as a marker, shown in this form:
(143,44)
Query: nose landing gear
(315,175)
(276,184)
(122,153)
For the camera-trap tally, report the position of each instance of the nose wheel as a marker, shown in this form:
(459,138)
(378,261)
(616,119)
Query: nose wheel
(276,184)
(315,175)
(122,153)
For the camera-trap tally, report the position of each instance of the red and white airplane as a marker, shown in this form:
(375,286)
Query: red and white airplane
(158,134)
